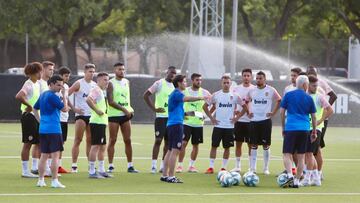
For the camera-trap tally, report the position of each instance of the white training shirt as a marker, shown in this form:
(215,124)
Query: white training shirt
(64,116)
(261,102)
(225,104)
(289,88)
(82,94)
(43,85)
(243,92)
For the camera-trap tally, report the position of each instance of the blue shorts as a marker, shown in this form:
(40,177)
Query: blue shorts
(295,141)
(50,143)
(175,136)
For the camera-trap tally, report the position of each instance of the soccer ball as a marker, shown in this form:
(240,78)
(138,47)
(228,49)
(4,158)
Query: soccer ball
(226,180)
(282,179)
(236,178)
(220,174)
(250,179)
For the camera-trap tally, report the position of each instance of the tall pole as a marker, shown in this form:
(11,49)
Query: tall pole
(26,48)
(234,39)
(125,52)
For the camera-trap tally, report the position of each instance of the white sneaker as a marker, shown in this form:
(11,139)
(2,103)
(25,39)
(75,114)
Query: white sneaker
(316,182)
(238,170)
(57,184)
(74,169)
(29,175)
(153,170)
(306,182)
(41,183)
(266,172)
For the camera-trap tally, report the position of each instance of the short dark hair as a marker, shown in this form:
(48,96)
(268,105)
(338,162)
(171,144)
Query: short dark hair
(118,64)
(195,75)
(303,73)
(261,73)
(311,70)
(47,63)
(171,67)
(89,65)
(312,78)
(64,70)
(177,79)
(101,74)
(296,70)
(32,68)
(246,70)
(54,79)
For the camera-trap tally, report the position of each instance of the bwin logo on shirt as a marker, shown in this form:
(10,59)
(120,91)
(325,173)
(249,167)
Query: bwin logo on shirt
(228,105)
(85,95)
(263,101)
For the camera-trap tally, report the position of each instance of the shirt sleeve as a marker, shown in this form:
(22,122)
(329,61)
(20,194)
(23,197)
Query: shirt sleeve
(276,95)
(37,104)
(55,100)
(27,88)
(326,87)
(179,97)
(94,94)
(312,105)
(155,87)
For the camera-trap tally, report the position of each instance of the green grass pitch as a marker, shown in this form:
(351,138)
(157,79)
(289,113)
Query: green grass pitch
(341,170)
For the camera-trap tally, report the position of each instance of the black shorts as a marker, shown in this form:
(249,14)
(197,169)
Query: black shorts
(295,141)
(175,135)
(98,136)
(260,133)
(120,119)
(86,119)
(30,129)
(313,146)
(242,132)
(323,131)
(195,133)
(160,128)
(50,143)
(226,135)
(64,130)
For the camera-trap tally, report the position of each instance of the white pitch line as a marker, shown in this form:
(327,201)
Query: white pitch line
(199,158)
(183,194)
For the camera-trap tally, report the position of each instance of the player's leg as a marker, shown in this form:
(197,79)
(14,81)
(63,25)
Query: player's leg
(80,127)
(64,130)
(113,132)
(215,142)
(266,137)
(42,166)
(238,146)
(29,127)
(159,135)
(196,140)
(126,133)
(187,136)
(176,133)
(227,142)
(166,144)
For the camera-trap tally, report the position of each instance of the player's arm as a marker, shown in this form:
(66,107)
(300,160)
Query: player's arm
(276,108)
(313,124)
(112,103)
(277,98)
(149,102)
(21,96)
(328,111)
(36,110)
(192,99)
(74,88)
(282,119)
(209,114)
(90,101)
(333,97)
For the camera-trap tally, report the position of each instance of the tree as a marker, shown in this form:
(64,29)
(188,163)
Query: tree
(349,11)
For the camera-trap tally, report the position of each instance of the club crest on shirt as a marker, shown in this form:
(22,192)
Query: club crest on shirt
(266,94)
(231,97)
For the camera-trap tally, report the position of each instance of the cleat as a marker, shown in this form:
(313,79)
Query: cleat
(57,184)
(288,183)
(111,169)
(36,172)
(96,176)
(131,169)
(223,169)
(179,169)
(164,178)
(266,172)
(316,182)
(153,170)
(209,171)
(74,169)
(41,183)
(161,170)
(306,182)
(62,170)
(174,180)
(105,175)
(29,175)
(238,170)
(192,169)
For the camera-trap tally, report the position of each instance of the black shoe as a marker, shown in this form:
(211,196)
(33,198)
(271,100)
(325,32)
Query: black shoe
(131,169)
(164,178)
(174,180)
(35,172)
(288,183)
